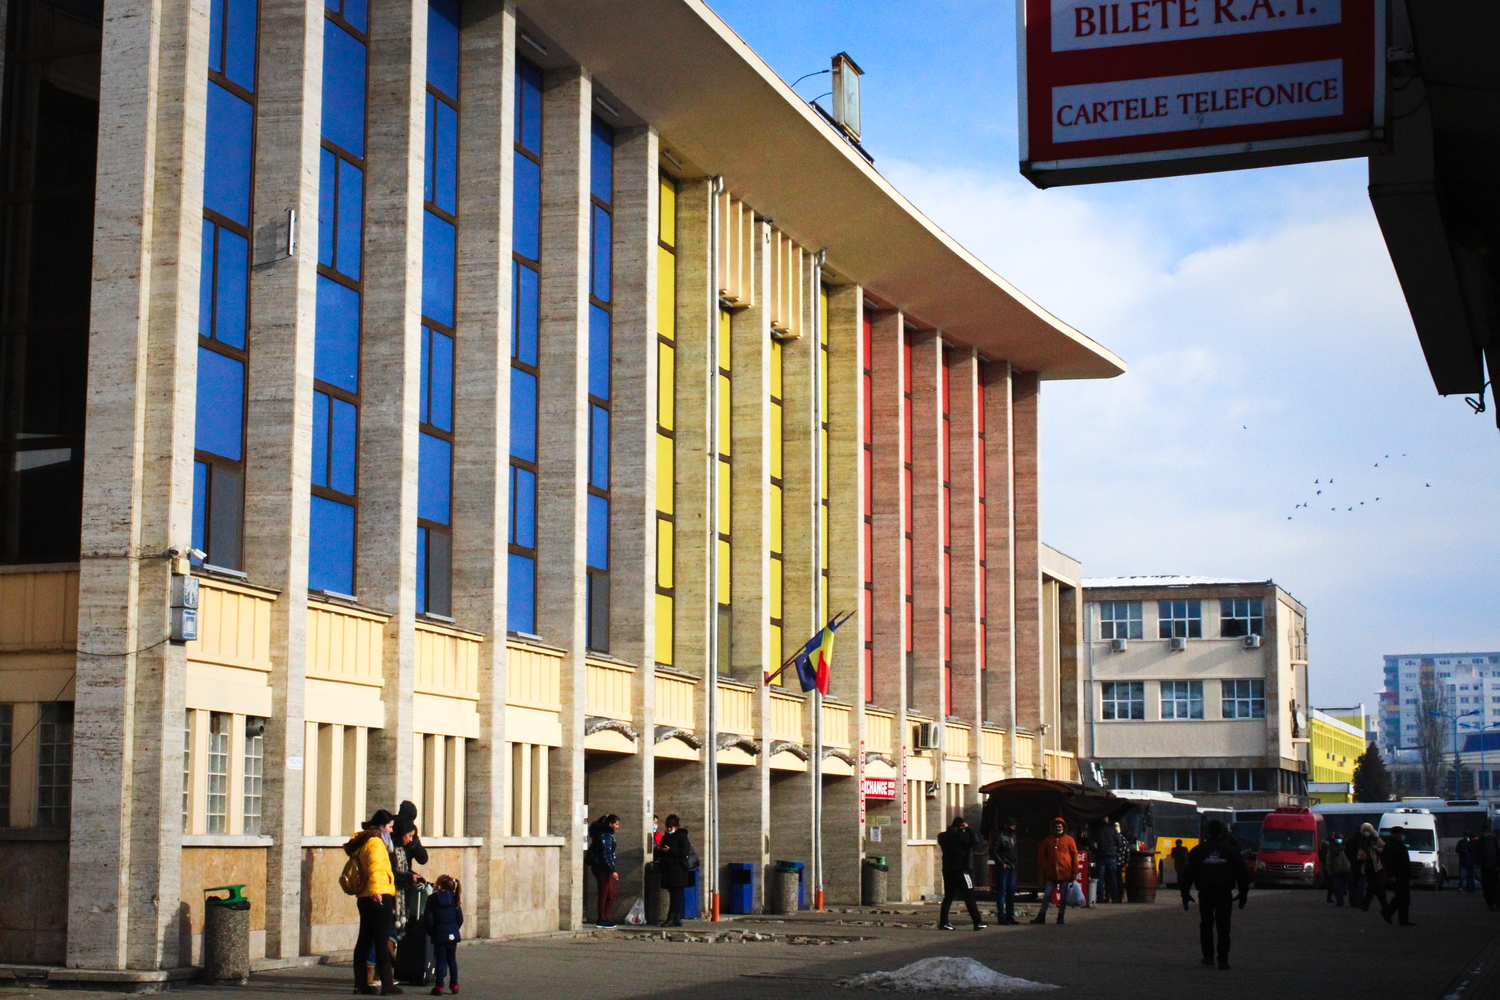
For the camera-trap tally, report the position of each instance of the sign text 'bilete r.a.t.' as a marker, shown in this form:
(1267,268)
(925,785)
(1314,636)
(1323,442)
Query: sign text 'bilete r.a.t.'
(1152,88)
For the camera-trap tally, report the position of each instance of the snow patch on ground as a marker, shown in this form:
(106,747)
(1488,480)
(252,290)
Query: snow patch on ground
(944,975)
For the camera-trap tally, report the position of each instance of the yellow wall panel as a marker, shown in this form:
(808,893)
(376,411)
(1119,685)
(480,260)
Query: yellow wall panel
(447,662)
(674,701)
(533,677)
(608,690)
(776,439)
(777,539)
(957,743)
(726,418)
(666,293)
(664,610)
(664,538)
(344,644)
(666,385)
(666,473)
(992,746)
(878,730)
(726,595)
(666,217)
(776,366)
(737,710)
(836,725)
(726,488)
(234,626)
(776,589)
(39,611)
(786,718)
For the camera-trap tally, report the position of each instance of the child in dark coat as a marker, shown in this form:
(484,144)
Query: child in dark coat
(442,919)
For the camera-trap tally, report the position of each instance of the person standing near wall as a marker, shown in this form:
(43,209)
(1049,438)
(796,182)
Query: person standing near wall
(605,867)
(1057,866)
(676,861)
(1003,851)
(1108,845)
(377,890)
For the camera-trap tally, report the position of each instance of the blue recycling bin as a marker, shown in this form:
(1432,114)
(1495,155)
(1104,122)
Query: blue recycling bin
(800,867)
(690,900)
(740,897)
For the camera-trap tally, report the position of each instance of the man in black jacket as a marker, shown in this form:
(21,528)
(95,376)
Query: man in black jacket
(1487,853)
(1216,868)
(1397,862)
(1003,851)
(957,844)
(1108,845)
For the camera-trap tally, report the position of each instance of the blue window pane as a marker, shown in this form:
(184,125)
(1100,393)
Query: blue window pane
(327,205)
(343,457)
(599,345)
(438,237)
(434,478)
(330,549)
(602,162)
(429,145)
(226,183)
(529,106)
(321,403)
(598,532)
(351,206)
(521,594)
(526,299)
(215,50)
(599,238)
(424,401)
(356,12)
(421,571)
(343,89)
(442,46)
(200,504)
(440,382)
(240,62)
(336,351)
(599,447)
(526,233)
(445,158)
(522,507)
(231,288)
(221,405)
(523,415)
(206,284)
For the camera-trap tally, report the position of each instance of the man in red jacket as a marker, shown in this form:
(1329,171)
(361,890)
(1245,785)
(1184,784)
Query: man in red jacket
(1056,865)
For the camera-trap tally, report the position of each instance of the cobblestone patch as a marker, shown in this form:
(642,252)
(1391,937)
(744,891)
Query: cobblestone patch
(675,935)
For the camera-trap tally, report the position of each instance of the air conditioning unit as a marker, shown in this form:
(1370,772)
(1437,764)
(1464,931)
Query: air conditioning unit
(1178,643)
(1252,642)
(923,737)
(1117,645)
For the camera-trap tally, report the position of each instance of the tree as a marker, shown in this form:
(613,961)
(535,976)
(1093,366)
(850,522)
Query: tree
(1372,782)
(1465,782)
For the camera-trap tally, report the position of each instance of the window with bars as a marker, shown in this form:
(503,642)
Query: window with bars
(187,772)
(54,778)
(1241,616)
(1244,699)
(1182,699)
(1121,700)
(216,799)
(1179,619)
(1120,619)
(601,277)
(525,371)
(254,783)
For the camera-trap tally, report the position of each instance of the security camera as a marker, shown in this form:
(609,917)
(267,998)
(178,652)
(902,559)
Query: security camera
(198,554)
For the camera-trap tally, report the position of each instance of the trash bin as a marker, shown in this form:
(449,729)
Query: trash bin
(874,880)
(740,894)
(226,935)
(690,897)
(785,894)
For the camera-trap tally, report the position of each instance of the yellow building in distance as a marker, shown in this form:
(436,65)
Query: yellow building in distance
(1337,743)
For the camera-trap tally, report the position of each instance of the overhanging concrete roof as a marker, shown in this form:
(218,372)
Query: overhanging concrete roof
(681,68)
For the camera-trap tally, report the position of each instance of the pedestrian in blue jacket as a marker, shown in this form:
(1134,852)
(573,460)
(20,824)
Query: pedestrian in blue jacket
(442,919)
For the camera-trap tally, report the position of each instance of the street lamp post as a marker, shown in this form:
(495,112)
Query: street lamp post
(1453,718)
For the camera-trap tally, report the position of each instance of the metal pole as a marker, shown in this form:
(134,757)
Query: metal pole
(711,674)
(820,526)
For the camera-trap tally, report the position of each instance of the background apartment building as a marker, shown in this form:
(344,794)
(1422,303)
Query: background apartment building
(1198,686)
(1433,703)
(516,385)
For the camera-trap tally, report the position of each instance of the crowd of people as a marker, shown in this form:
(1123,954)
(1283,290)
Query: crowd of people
(391,894)
(675,864)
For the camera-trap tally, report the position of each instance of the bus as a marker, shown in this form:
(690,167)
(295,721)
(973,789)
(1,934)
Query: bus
(1455,817)
(1157,820)
(1246,831)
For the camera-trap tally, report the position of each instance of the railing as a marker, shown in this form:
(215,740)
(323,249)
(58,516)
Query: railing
(608,690)
(674,701)
(879,727)
(786,718)
(39,611)
(234,626)
(736,710)
(992,746)
(957,744)
(533,677)
(836,725)
(447,662)
(343,644)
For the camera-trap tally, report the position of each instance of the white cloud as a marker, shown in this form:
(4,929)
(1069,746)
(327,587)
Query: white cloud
(1265,352)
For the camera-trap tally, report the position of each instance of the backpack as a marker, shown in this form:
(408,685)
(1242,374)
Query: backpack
(352,878)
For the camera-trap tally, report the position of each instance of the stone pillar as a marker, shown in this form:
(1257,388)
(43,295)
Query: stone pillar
(390,370)
(1028,617)
(481,456)
(562,527)
(964,550)
(1000,553)
(126,836)
(283,315)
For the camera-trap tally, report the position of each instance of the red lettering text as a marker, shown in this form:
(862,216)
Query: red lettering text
(1140,15)
(1083,17)
(1222,12)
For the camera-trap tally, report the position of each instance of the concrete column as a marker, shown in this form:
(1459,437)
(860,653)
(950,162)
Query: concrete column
(390,370)
(283,313)
(481,459)
(127,778)
(562,527)
(964,550)
(1000,553)
(1028,617)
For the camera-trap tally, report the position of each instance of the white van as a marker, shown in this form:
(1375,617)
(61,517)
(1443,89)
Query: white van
(1421,835)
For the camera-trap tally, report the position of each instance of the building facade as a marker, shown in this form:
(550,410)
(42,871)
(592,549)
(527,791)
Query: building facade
(470,403)
(1338,738)
(1198,686)
(1462,686)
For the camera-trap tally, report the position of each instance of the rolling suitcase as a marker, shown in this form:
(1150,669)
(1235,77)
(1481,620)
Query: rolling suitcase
(414,950)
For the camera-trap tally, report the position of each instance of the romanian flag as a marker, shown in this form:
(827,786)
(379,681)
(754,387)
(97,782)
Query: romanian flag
(814,661)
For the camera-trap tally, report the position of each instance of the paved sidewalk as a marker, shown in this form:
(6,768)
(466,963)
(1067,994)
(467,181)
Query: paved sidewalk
(1287,944)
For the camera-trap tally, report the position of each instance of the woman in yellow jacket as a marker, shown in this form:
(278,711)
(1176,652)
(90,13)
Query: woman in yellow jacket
(377,902)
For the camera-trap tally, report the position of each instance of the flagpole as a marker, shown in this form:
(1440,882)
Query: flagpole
(819,478)
(710,865)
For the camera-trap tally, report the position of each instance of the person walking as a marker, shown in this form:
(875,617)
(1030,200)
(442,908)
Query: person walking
(1368,858)
(606,870)
(1108,845)
(1003,851)
(1217,869)
(377,890)
(676,864)
(1336,869)
(1179,862)
(1057,866)
(1323,850)
(957,845)
(1397,862)
(1487,856)
(441,920)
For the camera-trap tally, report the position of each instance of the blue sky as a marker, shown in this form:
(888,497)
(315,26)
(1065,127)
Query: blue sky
(1268,342)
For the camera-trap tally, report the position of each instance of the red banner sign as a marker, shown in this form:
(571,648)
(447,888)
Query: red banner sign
(878,788)
(1152,88)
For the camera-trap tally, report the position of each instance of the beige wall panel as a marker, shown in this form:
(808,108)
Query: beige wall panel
(879,732)
(675,749)
(344,704)
(533,679)
(786,718)
(675,701)
(206,867)
(836,725)
(329,921)
(344,644)
(39,610)
(1233,738)
(609,741)
(529,889)
(445,716)
(447,661)
(228,689)
(38,676)
(609,690)
(530,725)
(736,710)
(234,626)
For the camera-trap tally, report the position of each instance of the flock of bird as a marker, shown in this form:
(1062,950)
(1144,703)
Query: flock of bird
(1324,488)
